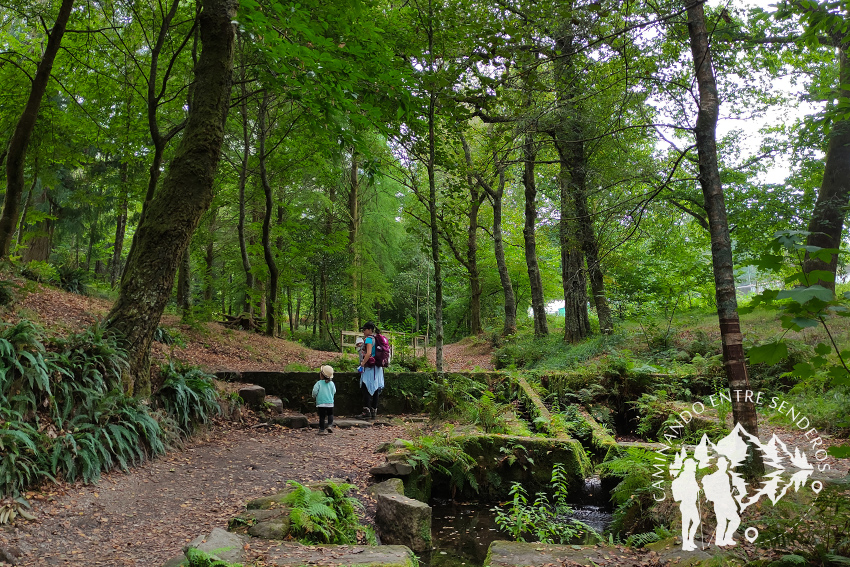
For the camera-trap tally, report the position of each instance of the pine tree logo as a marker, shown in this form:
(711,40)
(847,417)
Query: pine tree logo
(724,491)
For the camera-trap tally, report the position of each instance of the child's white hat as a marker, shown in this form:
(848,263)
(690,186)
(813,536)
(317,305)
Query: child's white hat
(359,341)
(327,372)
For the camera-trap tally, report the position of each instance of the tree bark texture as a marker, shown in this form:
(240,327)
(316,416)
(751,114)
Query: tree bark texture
(576,318)
(538,303)
(17,149)
(827,222)
(120,231)
(187,191)
(268,253)
(721,245)
(501,264)
(184,285)
(571,175)
(591,253)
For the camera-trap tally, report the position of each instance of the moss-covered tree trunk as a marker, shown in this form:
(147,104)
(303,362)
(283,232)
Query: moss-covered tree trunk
(721,244)
(187,191)
(16,151)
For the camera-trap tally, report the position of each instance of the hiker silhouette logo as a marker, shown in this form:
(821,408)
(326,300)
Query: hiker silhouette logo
(724,491)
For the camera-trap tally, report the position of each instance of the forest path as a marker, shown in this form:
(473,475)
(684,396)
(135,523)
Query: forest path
(146,516)
(465,355)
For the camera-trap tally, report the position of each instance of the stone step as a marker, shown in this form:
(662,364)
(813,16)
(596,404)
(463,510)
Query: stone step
(296,555)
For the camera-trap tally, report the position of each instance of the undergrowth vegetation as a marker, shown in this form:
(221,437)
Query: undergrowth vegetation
(64,413)
(542,520)
(325,515)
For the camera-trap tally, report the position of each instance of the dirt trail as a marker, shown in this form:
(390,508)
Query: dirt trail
(465,355)
(145,517)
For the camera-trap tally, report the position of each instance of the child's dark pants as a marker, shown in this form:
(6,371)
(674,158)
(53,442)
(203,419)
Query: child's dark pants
(325,413)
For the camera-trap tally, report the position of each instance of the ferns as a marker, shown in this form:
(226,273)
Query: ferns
(188,396)
(63,412)
(632,497)
(323,516)
(443,454)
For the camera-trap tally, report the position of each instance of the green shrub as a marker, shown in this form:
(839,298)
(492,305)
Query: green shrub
(489,414)
(63,412)
(74,280)
(6,295)
(541,520)
(324,516)
(187,395)
(42,272)
(443,454)
(635,509)
(448,394)
(169,337)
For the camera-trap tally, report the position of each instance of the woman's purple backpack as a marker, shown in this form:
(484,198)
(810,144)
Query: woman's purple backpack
(382,351)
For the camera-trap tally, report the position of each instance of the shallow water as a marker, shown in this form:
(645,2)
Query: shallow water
(462,533)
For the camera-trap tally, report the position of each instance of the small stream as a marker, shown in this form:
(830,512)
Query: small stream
(462,533)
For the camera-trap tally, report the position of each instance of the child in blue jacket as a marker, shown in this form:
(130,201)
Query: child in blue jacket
(324,391)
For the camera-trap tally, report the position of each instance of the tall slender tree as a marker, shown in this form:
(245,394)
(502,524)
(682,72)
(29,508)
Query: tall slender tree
(734,360)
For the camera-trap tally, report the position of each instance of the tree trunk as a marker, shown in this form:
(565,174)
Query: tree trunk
(435,235)
(186,193)
(830,210)
(92,238)
(576,319)
(120,230)
(268,253)
(17,150)
(353,229)
(591,253)
(23,224)
(502,265)
(538,303)
(475,327)
(314,306)
(571,175)
(184,285)
(743,412)
(209,259)
(38,245)
(243,177)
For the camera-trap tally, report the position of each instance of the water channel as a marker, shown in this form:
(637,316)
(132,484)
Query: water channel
(462,533)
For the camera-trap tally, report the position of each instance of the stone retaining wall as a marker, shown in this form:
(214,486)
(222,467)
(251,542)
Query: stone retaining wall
(403,392)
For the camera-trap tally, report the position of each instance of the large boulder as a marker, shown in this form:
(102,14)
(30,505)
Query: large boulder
(404,521)
(253,396)
(391,469)
(295,421)
(389,486)
(221,544)
(274,405)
